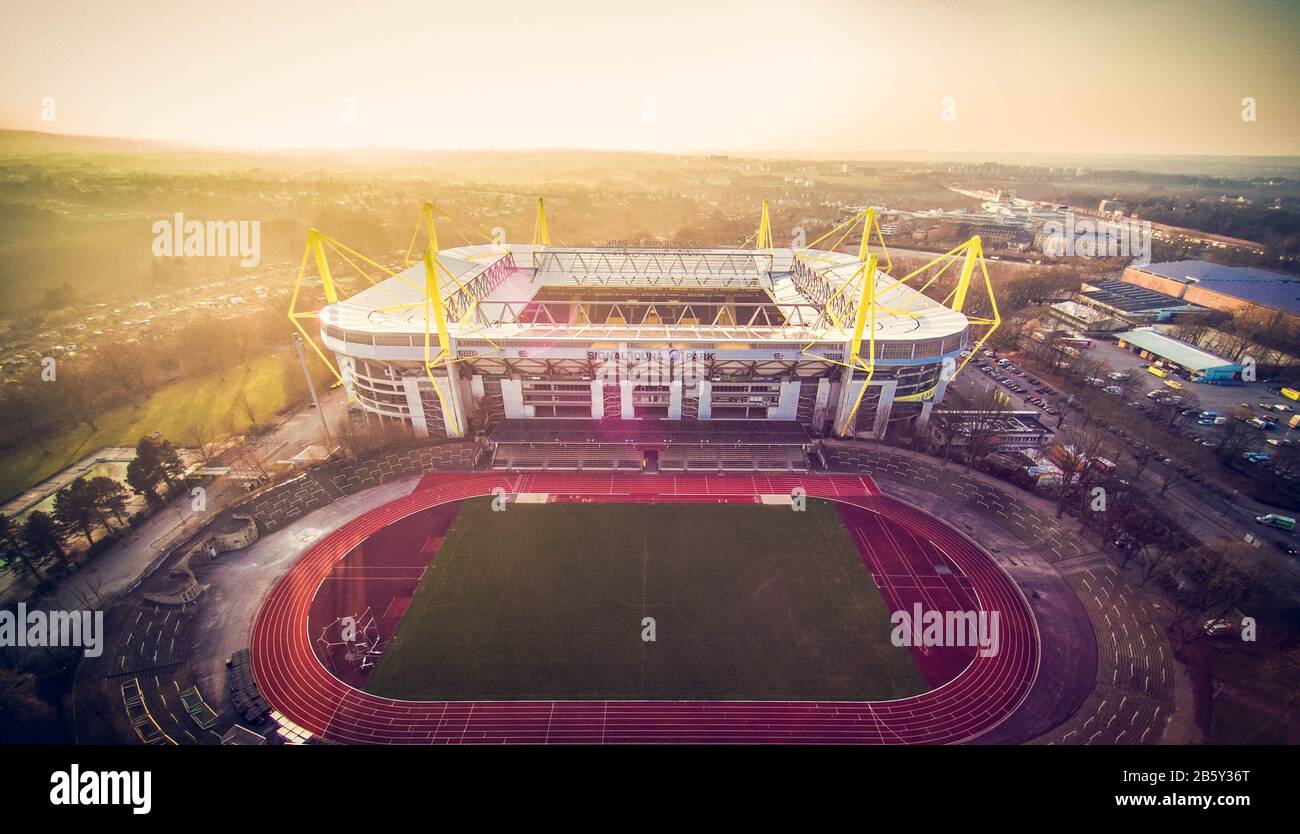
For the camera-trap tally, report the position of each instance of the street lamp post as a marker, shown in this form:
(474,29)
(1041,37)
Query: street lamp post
(311,387)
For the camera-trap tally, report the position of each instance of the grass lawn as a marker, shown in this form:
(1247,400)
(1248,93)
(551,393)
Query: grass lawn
(170,410)
(1236,723)
(546,602)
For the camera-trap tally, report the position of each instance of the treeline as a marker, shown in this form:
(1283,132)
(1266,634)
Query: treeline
(1277,229)
(87,504)
(1016,287)
(61,393)
(1270,339)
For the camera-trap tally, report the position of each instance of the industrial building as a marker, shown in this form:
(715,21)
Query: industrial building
(1086,319)
(1249,291)
(1195,363)
(1134,304)
(1004,431)
(1107,306)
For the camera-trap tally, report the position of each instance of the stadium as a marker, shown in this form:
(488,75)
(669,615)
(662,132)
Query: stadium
(678,395)
(636,521)
(635,357)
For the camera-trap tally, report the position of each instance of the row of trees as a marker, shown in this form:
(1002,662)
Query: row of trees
(1271,339)
(1108,446)
(38,537)
(87,503)
(1100,477)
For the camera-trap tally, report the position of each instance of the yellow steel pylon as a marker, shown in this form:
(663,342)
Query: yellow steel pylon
(541,232)
(864,319)
(764,239)
(971,254)
(317,246)
(435,315)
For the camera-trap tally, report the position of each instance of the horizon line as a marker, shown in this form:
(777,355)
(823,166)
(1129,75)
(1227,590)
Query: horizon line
(197,145)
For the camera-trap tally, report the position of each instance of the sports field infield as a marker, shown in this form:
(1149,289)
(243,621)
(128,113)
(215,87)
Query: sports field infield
(548,601)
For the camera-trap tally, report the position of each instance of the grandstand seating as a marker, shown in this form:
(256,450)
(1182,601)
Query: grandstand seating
(567,457)
(733,459)
(620,446)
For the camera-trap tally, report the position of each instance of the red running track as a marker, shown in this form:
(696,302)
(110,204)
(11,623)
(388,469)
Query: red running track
(985,693)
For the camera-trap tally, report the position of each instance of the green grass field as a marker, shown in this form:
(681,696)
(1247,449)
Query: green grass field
(209,400)
(546,602)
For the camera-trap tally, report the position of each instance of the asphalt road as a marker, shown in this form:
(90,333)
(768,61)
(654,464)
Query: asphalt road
(1204,513)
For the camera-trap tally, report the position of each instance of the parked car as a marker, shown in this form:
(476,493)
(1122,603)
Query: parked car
(1219,628)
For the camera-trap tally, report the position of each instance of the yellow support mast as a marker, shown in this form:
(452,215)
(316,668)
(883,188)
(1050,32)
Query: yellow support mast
(316,244)
(436,316)
(426,213)
(541,231)
(764,238)
(971,255)
(316,250)
(974,254)
(864,320)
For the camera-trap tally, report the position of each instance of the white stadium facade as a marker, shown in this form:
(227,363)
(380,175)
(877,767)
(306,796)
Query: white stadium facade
(540,336)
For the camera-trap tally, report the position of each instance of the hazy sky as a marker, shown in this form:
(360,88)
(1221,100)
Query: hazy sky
(662,75)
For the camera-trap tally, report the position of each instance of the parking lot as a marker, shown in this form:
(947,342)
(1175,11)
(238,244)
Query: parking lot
(976,381)
(983,375)
(1222,399)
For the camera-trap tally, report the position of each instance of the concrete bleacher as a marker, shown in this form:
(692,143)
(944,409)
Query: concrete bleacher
(733,459)
(622,446)
(566,457)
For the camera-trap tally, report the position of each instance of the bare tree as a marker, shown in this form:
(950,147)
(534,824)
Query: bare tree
(245,407)
(200,437)
(1082,457)
(1234,436)
(1209,583)
(78,392)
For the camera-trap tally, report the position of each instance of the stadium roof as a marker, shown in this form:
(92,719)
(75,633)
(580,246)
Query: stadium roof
(1180,353)
(395,305)
(1258,286)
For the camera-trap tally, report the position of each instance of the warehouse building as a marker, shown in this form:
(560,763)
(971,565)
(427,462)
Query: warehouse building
(1257,293)
(1134,304)
(1198,365)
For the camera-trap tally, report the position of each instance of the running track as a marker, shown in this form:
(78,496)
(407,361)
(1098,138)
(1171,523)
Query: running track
(980,697)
